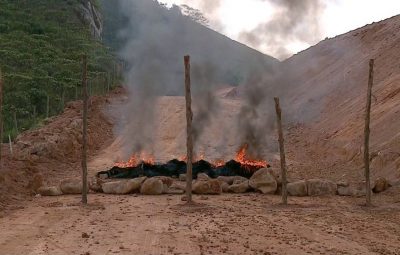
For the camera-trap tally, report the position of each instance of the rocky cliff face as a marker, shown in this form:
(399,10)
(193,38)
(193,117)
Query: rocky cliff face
(91,16)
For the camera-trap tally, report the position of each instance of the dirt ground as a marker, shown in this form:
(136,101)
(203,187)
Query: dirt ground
(227,224)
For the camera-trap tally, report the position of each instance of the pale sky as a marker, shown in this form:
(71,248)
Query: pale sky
(232,17)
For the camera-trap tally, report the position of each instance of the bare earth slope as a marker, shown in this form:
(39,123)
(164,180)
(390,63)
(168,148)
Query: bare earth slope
(332,80)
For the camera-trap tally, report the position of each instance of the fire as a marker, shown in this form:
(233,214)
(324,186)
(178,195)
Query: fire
(219,162)
(242,158)
(136,159)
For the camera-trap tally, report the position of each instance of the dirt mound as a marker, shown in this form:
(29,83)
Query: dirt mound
(53,150)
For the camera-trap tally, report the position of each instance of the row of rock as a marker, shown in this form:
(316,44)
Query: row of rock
(147,186)
(265,181)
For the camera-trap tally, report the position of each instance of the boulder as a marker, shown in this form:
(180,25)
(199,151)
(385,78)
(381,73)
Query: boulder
(239,186)
(343,184)
(394,182)
(182,177)
(166,180)
(123,186)
(239,179)
(319,187)
(298,189)
(224,186)
(381,184)
(226,179)
(95,184)
(212,187)
(178,185)
(352,191)
(203,177)
(276,173)
(263,181)
(50,191)
(71,186)
(152,186)
(173,191)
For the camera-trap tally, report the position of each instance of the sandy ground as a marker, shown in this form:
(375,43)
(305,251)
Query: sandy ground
(227,224)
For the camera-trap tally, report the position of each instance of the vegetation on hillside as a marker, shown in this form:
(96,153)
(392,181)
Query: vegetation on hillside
(41,44)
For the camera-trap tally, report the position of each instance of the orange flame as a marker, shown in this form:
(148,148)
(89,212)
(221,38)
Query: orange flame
(243,159)
(219,162)
(136,159)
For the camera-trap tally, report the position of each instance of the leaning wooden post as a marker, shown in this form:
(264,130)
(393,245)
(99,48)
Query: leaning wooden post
(282,150)
(189,138)
(84,131)
(367,131)
(1,117)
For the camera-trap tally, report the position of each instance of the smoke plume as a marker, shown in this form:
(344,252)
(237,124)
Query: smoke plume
(155,41)
(293,21)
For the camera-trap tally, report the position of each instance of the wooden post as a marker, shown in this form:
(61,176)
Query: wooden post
(367,131)
(282,150)
(189,137)
(84,131)
(1,117)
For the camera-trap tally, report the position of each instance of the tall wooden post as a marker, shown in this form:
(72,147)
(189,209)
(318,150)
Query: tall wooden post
(1,118)
(282,150)
(189,137)
(84,131)
(367,131)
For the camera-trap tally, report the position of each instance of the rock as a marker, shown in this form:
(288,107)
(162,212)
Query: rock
(211,186)
(276,173)
(344,191)
(182,177)
(36,183)
(224,186)
(342,184)
(319,187)
(71,186)
(298,189)
(381,184)
(226,179)
(239,186)
(92,17)
(203,177)
(178,185)
(50,191)
(353,191)
(85,235)
(123,186)
(95,184)
(174,191)
(166,180)
(394,182)
(239,179)
(263,181)
(152,186)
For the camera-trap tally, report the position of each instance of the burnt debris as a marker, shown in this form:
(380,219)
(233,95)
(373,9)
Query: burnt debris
(176,167)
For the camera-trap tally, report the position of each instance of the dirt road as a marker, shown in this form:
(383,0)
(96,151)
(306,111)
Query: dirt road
(226,224)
